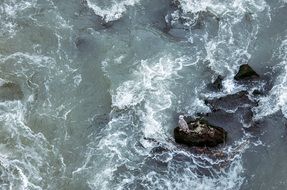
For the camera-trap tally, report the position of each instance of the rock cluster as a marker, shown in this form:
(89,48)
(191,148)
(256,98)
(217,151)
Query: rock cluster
(203,134)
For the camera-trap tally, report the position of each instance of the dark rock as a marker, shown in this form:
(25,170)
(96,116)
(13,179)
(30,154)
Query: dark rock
(232,123)
(211,153)
(248,16)
(234,110)
(175,3)
(79,42)
(10,91)
(231,101)
(188,119)
(85,45)
(257,92)
(245,72)
(150,139)
(106,24)
(217,84)
(159,150)
(200,133)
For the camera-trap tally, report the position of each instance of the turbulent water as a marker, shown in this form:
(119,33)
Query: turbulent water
(103,82)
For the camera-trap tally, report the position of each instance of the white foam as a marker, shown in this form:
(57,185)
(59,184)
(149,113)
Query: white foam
(9,10)
(227,171)
(149,87)
(112,10)
(221,7)
(229,48)
(77,79)
(19,159)
(141,109)
(276,99)
(148,95)
(29,151)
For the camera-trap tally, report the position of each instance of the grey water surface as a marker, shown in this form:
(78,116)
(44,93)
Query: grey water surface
(98,86)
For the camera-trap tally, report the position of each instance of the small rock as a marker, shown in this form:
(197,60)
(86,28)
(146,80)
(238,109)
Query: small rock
(245,72)
(175,3)
(217,84)
(159,150)
(257,92)
(107,24)
(200,133)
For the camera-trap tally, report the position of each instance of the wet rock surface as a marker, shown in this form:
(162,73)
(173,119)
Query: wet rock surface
(234,110)
(231,102)
(229,115)
(200,133)
(245,72)
(216,85)
(257,92)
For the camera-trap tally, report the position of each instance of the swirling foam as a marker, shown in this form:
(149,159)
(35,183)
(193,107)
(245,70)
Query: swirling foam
(111,10)
(9,11)
(150,87)
(226,51)
(27,157)
(138,124)
(276,99)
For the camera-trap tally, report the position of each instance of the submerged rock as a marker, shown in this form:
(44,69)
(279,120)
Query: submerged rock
(200,133)
(10,91)
(180,25)
(230,102)
(245,72)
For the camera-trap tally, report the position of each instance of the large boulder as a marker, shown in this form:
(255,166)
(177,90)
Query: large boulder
(245,72)
(200,133)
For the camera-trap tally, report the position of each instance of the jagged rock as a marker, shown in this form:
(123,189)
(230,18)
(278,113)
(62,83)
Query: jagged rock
(200,133)
(245,72)
(10,91)
(217,84)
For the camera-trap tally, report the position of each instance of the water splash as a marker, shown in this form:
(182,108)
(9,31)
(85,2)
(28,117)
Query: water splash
(276,99)
(111,10)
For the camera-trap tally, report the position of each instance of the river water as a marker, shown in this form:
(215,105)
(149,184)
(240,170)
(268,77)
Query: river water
(103,82)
